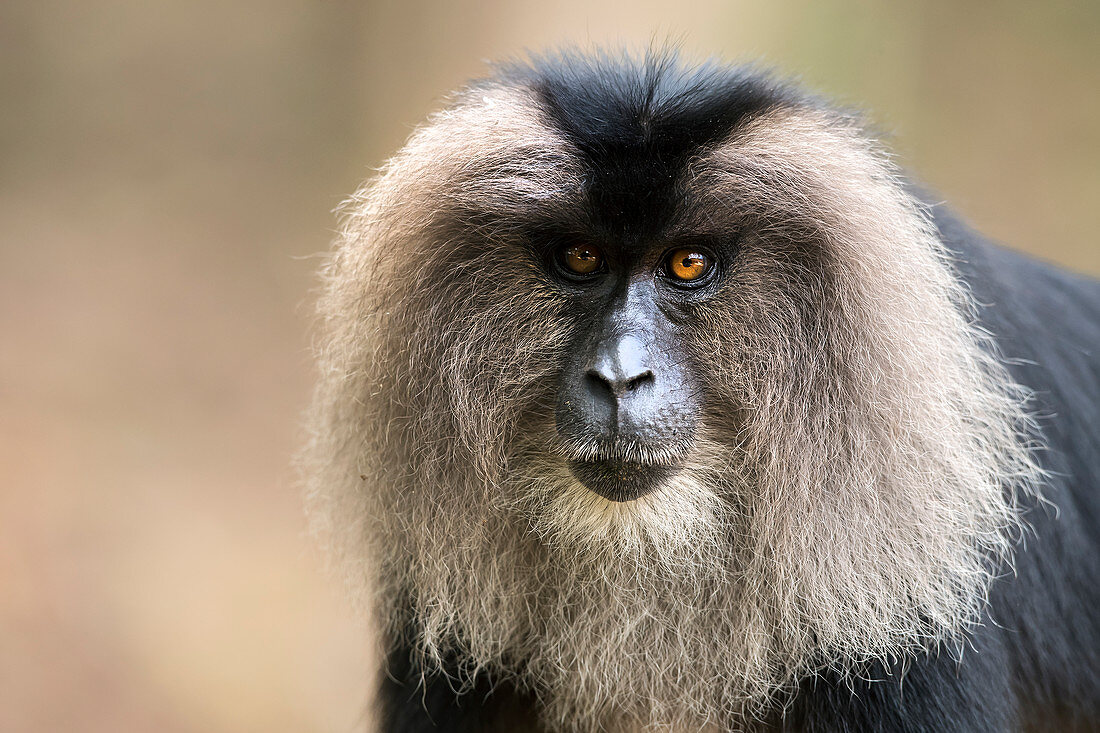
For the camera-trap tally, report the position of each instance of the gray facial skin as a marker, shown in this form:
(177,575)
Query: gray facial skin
(626,393)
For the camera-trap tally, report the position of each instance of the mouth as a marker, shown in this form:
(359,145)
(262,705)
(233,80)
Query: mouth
(617,480)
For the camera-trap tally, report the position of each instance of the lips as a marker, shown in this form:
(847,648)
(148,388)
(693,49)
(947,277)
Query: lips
(617,480)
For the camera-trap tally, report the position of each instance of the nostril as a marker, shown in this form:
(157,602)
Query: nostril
(617,386)
(639,380)
(598,382)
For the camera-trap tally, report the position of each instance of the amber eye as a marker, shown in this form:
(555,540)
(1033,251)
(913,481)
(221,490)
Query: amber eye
(581,259)
(689,264)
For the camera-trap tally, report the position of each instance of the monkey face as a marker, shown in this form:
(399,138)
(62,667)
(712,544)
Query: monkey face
(628,400)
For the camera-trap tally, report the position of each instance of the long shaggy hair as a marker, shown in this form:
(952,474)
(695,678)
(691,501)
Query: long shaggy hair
(852,491)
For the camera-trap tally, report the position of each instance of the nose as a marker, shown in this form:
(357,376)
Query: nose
(620,367)
(624,381)
(620,388)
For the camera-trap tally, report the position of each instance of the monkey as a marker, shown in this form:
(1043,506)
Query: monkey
(656,397)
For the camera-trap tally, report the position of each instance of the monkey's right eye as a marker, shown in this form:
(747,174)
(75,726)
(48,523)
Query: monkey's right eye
(580,259)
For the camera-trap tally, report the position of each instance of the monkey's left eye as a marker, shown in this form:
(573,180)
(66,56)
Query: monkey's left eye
(580,259)
(689,265)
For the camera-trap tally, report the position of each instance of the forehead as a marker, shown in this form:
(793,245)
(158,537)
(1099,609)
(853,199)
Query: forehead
(636,126)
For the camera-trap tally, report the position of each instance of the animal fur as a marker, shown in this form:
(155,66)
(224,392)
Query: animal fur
(853,491)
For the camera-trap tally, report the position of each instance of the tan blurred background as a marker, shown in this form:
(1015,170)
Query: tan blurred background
(167,169)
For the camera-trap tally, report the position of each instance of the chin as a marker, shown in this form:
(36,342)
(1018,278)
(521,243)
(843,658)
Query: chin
(665,516)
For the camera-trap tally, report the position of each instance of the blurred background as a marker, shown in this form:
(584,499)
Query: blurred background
(167,173)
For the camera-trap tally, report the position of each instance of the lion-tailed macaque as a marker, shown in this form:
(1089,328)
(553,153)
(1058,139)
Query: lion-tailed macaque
(655,398)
